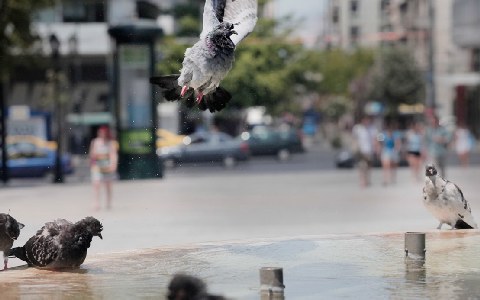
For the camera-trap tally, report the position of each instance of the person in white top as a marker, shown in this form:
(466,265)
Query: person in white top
(463,143)
(364,135)
(103,164)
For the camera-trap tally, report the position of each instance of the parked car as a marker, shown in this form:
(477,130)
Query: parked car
(167,138)
(282,142)
(30,156)
(206,147)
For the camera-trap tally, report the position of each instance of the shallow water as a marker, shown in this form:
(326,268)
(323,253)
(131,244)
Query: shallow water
(357,267)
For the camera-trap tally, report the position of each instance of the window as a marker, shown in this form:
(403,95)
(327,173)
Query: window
(476,60)
(335,15)
(354,7)
(354,33)
(83,11)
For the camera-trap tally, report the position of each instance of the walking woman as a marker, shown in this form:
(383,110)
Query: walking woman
(415,149)
(103,164)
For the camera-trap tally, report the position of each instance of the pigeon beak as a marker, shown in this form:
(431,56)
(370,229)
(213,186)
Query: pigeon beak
(100,236)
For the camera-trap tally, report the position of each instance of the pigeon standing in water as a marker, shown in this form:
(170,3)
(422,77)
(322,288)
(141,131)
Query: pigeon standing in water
(446,202)
(59,244)
(225,24)
(9,232)
(186,287)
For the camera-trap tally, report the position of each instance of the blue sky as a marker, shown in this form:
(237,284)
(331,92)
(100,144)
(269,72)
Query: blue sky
(310,11)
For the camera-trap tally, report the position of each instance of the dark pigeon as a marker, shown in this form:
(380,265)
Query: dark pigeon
(205,65)
(9,232)
(59,244)
(186,287)
(446,202)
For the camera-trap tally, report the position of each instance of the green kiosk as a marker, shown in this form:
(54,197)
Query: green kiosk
(134,106)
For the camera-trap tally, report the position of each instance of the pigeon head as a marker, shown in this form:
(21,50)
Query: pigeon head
(184,286)
(92,225)
(430,170)
(220,36)
(13,227)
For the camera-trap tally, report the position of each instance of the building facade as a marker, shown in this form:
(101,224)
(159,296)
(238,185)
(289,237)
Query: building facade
(85,61)
(365,23)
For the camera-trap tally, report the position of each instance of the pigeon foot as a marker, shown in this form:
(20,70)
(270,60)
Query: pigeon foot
(5,264)
(199,97)
(184,90)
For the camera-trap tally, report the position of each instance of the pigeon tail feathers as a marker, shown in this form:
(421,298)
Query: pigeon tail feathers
(18,252)
(215,101)
(461,224)
(170,88)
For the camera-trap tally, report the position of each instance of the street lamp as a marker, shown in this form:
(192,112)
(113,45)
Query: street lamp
(55,46)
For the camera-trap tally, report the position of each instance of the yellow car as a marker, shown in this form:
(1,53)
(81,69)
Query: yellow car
(166,138)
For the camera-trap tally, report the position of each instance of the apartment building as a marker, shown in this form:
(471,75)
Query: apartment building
(357,23)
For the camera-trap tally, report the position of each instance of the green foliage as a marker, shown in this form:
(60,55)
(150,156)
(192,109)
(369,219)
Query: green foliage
(397,79)
(188,16)
(189,26)
(274,71)
(171,56)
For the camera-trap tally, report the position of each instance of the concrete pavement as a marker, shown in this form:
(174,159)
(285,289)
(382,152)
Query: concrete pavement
(224,226)
(228,206)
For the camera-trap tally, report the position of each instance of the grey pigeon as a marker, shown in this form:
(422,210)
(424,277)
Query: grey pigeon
(9,232)
(225,24)
(59,244)
(187,287)
(446,202)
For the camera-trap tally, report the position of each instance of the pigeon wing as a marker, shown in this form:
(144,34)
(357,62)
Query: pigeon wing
(41,250)
(459,203)
(213,12)
(241,13)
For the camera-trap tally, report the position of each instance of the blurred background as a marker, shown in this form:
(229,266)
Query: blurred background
(301,81)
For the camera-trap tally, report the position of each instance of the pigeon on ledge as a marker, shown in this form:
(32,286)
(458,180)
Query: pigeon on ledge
(59,244)
(446,202)
(9,231)
(186,287)
(225,24)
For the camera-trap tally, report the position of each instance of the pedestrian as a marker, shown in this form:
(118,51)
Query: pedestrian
(389,144)
(364,146)
(103,164)
(464,143)
(415,149)
(438,139)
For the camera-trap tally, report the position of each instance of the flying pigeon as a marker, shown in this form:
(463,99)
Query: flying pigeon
(446,202)
(9,231)
(59,244)
(225,24)
(186,287)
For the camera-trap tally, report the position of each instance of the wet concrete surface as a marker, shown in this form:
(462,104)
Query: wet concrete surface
(315,267)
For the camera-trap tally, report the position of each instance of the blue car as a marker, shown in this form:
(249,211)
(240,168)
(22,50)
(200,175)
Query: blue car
(29,157)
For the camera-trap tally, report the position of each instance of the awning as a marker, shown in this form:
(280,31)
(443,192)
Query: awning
(469,79)
(93,118)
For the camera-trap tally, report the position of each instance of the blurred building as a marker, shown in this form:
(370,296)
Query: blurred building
(465,34)
(352,23)
(86,58)
(372,23)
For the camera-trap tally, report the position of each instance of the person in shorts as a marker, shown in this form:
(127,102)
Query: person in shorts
(103,164)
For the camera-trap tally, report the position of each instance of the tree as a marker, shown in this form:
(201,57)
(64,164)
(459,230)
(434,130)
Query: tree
(396,79)
(272,69)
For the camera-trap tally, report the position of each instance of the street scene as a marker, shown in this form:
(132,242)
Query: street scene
(239,149)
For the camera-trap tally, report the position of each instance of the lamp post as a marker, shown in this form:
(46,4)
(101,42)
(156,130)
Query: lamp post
(55,47)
